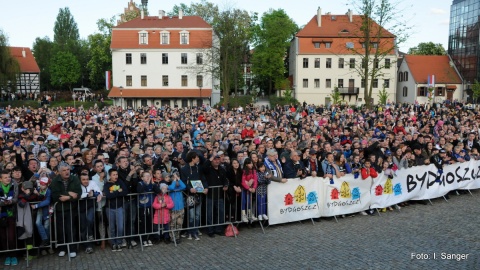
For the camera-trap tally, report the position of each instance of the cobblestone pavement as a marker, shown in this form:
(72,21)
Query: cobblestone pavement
(360,242)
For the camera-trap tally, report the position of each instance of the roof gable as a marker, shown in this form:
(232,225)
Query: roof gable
(421,66)
(27,63)
(338,26)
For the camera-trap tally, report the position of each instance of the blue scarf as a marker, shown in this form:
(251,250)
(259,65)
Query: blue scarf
(272,168)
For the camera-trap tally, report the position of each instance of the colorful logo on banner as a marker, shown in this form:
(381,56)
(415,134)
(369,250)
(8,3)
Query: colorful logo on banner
(388,188)
(300,197)
(345,192)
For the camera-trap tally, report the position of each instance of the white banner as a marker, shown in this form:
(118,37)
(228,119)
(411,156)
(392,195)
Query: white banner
(345,196)
(314,197)
(293,201)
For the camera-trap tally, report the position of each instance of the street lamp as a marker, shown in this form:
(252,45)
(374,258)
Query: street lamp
(200,85)
(121,96)
(74,97)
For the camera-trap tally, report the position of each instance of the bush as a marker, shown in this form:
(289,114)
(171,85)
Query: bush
(237,101)
(274,100)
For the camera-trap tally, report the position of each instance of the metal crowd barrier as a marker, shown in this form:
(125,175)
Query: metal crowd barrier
(133,220)
(20,233)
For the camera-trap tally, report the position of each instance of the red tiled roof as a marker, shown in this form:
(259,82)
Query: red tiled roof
(27,63)
(128,39)
(335,27)
(165,22)
(439,65)
(159,93)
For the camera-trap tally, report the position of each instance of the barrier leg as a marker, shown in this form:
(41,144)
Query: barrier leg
(378,211)
(335,217)
(233,229)
(470,192)
(68,253)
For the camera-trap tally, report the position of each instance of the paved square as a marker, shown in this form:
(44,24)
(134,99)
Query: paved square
(360,242)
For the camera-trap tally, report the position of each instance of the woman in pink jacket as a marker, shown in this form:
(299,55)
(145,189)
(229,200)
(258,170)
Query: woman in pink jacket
(161,218)
(249,186)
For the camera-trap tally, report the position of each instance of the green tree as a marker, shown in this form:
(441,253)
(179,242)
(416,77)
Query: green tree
(65,69)
(65,29)
(376,16)
(336,96)
(100,56)
(9,67)
(428,48)
(272,38)
(476,91)
(383,96)
(207,10)
(43,49)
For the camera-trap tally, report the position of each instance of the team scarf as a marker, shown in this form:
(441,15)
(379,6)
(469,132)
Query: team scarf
(272,168)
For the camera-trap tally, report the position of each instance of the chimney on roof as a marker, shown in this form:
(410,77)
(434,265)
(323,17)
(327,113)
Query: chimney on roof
(319,17)
(350,15)
(24,54)
(180,14)
(161,14)
(142,14)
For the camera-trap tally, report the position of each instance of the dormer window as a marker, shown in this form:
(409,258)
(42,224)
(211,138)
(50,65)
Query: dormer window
(143,37)
(164,37)
(184,37)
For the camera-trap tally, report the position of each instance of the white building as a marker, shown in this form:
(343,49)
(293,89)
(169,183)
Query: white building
(326,54)
(161,60)
(413,75)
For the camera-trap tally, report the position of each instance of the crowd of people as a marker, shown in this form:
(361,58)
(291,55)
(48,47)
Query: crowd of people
(151,172)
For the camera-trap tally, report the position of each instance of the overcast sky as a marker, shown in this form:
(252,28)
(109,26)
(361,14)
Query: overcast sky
(25,20)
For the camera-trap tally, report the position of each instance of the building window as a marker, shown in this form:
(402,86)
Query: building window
(184,80)
(199,81)
(376,63)
(144,102)
(405,91)
(317,62)
(165,38)
(362,83)
(386,83)
(440,91)
(349,45)
(128,58)
(143,80)
(375,45)
(129,80)
(184,37)
(328,44)
(375,83)
(387,63)
(305,62)
(364,62)
(400,76)
(328,83)
(316,83)
(316,45)
(305,83)
(184,58)
(199,58)
(164,58)
(143,37)
(422,91)
(143,58)
(352,62)
(328,64)
(165,80)
(405,76)
(341,63)
(340,83)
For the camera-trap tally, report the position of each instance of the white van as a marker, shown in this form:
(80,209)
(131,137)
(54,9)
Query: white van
(82,90)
